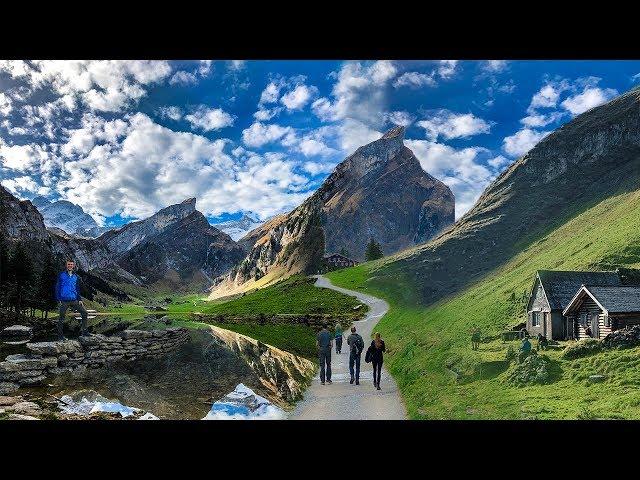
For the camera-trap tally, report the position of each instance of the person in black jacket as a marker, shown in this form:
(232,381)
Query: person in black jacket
(377,351)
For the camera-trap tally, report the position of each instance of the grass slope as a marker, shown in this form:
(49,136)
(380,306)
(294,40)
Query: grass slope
(426,344)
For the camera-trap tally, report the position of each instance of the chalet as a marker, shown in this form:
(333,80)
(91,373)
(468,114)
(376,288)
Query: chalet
(551,294)
(596,311)
(336,260)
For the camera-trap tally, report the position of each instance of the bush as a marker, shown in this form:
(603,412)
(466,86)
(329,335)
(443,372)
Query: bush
(583,348)
(511,354)
(533,369)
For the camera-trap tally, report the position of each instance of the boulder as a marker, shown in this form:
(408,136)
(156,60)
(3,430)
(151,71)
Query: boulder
(26,408)
(597,378)
(6,401)
(8,387)
(29,381)
(28,362)
(623,338)
(16,331)
(54,348)
(17,416)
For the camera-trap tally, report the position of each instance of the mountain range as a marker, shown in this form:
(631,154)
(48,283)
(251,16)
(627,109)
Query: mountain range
(68,216)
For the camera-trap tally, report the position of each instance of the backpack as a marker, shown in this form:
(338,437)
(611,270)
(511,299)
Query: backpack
(357,346)
(368,357)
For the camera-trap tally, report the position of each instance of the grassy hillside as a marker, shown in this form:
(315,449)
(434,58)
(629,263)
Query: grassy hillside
(427,344)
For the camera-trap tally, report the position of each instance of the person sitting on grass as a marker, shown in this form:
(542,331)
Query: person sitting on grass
(525,348)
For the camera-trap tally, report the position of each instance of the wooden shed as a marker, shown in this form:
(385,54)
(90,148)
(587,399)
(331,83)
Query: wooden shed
(337,260)
(596,311)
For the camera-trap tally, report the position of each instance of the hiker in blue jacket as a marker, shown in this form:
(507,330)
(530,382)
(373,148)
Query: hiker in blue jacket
(68,294)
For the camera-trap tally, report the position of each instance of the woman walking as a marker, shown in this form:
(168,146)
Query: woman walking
(338,335)
(377,351)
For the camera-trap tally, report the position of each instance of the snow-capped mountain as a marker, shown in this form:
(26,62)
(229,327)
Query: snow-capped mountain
(237,229)
(68,216)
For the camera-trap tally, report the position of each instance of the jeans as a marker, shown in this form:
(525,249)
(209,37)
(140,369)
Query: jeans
(377,367)
(324,357)
(354,358)
(339,344)
(75,306)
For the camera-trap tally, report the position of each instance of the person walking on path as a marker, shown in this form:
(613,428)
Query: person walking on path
(323,341)
(378,348)
(68,296)
(338,338)
(356,345)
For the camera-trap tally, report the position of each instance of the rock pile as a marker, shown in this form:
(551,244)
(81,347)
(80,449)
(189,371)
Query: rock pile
(92,351)
(624,338)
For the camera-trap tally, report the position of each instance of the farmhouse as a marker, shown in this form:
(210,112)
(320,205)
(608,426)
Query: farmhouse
(336,260)
(552,292)
(596,311)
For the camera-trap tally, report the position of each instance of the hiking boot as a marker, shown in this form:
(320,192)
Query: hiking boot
(322,383)
(378,387)
(329,382)
(351,381)
(357,382)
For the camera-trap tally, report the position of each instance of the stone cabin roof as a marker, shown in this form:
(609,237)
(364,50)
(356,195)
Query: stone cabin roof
(561,286)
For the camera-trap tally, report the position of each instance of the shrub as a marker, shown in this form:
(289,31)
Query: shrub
(533,369)
(511,354)
(583,348)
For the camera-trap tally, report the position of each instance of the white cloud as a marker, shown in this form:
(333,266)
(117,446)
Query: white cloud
(499,162)
(353,134)
(104,85)
(359,93)
(316,168)
(5,104)
(237,64)
(208,119)
(21,186)
(399,118)
(297,98)
(259,134)
(172,112)
(183,77)
(22,158)
(522,141)
(271,93)
(548,95)
(450,125)
(415,80)
(591,97)
(459,169)
(494,66)
(447,68)
(541,120)
(205,67)
(264,114)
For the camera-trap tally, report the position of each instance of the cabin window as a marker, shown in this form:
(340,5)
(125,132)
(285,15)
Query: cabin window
(535,319)
(583,319)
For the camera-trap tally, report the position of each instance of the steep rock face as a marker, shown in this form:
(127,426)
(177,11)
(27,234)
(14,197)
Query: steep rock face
(125,238)
(20,219)
(69,217)
(593,157)
(379,191)
(186,248)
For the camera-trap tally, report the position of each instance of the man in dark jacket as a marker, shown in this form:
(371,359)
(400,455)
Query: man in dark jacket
(68,294)
(356,345)
(323,342)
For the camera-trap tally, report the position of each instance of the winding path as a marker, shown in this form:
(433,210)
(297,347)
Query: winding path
(341,400)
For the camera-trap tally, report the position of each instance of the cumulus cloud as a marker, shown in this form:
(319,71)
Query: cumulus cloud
(208,119)
(522,141)
(297,98)
(589,98)
(359,93)
(399,118)
(259,134)
(541,120)
(459,169)
(415,80)
(24,185)
(450,125)
(102,85)
(494,66)
(447,68)
(182,77)
(5,104)
(499,162)
(172,112)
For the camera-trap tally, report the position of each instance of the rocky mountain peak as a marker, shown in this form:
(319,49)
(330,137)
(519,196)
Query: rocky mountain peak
(395,132)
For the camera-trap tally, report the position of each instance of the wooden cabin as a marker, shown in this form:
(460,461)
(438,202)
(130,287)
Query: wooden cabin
(595,311)
(336,260)
(552,292)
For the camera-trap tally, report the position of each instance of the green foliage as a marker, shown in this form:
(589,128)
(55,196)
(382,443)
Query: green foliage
(373,251)
(438,332)
(294,295)
(583,348)
(511,354)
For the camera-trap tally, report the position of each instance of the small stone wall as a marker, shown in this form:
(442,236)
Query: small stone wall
(92,351)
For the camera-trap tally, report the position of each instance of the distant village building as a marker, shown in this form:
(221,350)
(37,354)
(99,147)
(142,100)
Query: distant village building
(554,291)
(336,260)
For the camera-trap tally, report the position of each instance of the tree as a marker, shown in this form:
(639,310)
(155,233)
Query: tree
(45,297)
(373,250)
(20,279)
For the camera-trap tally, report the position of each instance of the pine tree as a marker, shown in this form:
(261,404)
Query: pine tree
(20,279)
(373,250)
(45,297)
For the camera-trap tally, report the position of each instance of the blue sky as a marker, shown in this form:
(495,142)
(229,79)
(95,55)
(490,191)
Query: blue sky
(125,138)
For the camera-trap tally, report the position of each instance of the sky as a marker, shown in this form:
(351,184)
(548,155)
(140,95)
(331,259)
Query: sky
(123,139)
